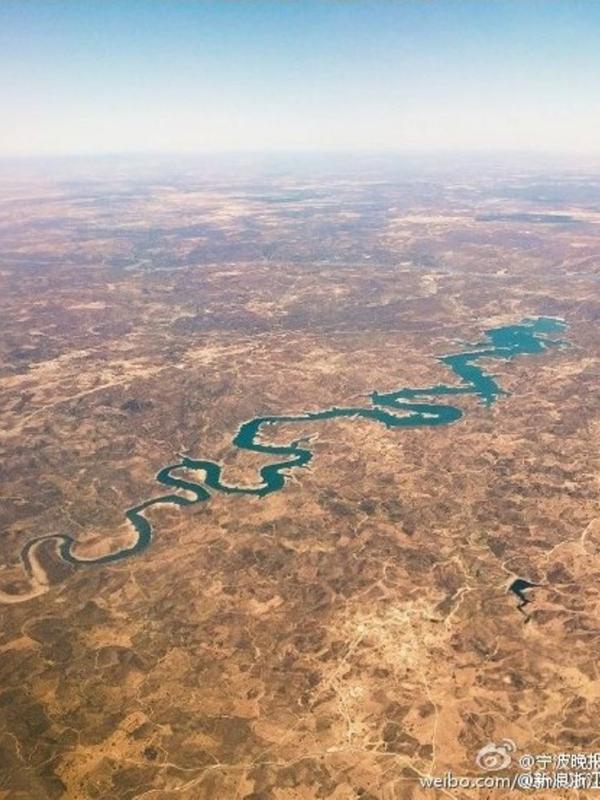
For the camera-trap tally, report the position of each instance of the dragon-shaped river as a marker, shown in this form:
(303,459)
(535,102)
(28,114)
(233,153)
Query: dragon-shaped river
(401,408)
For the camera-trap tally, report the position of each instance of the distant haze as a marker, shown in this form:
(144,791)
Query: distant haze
(135,77)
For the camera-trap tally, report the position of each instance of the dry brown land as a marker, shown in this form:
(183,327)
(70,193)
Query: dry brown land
(353,632)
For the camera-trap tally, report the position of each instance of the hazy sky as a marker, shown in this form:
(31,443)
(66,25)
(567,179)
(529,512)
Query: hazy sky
(124,75)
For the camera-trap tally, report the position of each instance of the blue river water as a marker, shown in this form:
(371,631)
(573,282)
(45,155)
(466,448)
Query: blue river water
(402,408)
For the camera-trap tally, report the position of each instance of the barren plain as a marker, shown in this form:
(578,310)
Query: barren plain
(353,632)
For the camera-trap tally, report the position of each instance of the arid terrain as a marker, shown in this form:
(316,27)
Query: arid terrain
(345,636)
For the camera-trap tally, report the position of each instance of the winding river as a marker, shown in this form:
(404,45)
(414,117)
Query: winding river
(402,408)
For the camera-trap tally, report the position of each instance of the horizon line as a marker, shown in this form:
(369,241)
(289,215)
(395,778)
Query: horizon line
(312,151)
